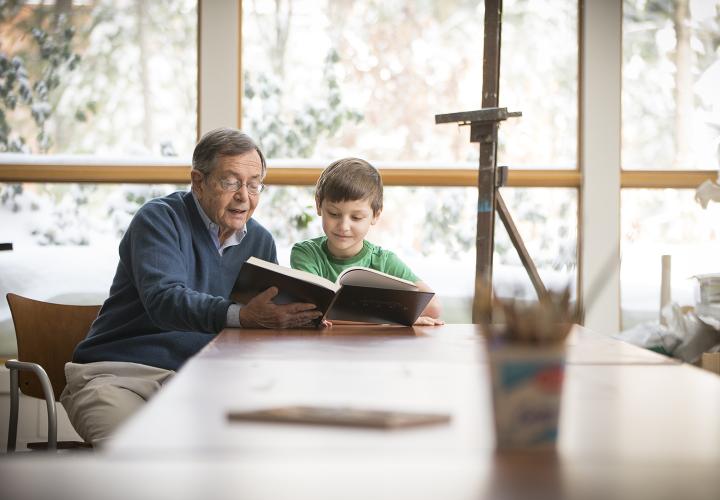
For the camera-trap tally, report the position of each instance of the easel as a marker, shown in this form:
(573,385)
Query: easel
(484,129)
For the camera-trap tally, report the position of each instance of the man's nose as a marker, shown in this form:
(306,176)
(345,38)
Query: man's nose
(242,193)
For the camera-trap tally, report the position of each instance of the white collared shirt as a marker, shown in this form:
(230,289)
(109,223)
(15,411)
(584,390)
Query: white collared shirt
(232,319)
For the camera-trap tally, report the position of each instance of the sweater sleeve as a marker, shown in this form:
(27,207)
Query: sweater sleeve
(160,269)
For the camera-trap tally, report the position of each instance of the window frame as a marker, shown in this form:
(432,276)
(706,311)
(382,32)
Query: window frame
(306,174)
(225,107)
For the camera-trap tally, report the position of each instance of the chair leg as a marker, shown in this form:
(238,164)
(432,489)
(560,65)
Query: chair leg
(13,365)
(14,408)
(52,414)
(51,410)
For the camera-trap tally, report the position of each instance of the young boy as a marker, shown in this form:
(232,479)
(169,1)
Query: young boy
(349,199)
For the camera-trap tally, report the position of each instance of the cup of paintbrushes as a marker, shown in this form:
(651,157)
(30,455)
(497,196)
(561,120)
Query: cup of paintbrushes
(527,364)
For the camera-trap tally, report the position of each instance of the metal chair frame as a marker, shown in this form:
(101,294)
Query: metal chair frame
(14,365)
(38,321)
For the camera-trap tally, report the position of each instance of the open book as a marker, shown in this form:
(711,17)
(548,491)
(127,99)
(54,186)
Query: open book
(360,294)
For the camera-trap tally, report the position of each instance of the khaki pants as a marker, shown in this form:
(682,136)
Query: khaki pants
(100,396)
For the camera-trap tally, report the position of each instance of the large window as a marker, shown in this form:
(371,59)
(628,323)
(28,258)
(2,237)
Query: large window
(113,79)
(338,78)
(538,76)
(103,77)
(664,222)
(65,239)
(433,231)
(366,79)
(117,79)
(671,77)
(670,121)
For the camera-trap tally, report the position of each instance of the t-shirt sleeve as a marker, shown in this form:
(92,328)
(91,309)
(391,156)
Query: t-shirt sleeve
(396,267)
(303,257)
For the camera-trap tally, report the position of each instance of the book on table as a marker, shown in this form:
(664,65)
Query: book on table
(340,415)
(359,294)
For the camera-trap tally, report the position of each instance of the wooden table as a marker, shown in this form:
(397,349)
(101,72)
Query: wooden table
(620,402)
(634,424)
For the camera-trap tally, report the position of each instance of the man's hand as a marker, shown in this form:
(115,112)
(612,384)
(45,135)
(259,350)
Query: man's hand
(428,321)
(260,312)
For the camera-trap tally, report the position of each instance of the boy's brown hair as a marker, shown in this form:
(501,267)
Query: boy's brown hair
(350,179)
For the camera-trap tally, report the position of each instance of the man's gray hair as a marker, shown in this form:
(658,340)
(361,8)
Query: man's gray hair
(223,142)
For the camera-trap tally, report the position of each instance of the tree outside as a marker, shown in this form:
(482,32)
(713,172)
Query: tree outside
(103,77)
(345,78)
(670,120)
(671,76)
(393,66)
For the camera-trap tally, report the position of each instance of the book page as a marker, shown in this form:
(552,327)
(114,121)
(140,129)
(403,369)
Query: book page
(378,305)
(295,273)
(362,276)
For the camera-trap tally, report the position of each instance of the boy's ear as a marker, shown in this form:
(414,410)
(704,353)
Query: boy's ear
(318,206)
(376,216)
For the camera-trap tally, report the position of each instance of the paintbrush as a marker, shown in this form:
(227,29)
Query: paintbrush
(550,319)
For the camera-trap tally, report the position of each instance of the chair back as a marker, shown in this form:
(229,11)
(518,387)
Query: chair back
(47,335)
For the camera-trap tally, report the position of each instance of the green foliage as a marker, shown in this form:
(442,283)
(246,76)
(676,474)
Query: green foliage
(650,106)
(446,226)
(287,212)
(122,203)
(9,194)
(545,219)
(63,225)
(29,77)
(48,92)
(294,133)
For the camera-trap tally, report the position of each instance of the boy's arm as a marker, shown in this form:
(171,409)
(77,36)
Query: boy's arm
(433,309)
(396,267)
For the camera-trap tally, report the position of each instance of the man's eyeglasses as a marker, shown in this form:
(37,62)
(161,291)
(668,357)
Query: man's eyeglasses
(253,187)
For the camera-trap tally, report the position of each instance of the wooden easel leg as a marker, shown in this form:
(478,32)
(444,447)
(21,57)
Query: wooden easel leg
(517,242)
(486,135)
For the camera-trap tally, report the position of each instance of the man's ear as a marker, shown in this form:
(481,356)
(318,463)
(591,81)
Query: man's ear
(376,216)
(196,180)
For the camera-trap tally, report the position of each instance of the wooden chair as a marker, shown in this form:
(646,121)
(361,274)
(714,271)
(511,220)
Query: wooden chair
(46,337)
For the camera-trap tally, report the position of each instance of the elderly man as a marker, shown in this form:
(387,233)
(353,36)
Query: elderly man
(179,260)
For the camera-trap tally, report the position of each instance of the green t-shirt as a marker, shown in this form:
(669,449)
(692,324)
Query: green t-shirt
(314,257)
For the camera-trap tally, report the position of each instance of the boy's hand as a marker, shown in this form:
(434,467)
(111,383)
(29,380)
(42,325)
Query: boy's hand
(428,321)
(261,312)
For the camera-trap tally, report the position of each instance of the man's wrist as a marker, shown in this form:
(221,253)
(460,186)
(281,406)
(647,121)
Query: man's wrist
(233,316)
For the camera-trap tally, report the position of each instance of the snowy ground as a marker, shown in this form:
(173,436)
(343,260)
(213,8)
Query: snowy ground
(82,274)
(77,274)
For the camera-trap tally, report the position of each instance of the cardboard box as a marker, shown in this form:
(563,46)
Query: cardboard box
(711,361)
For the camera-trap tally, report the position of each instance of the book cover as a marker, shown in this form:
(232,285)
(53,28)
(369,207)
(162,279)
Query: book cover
(340,415)
(360,295)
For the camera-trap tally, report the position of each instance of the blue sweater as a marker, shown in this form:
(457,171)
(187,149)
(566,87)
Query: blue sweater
(171,290)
